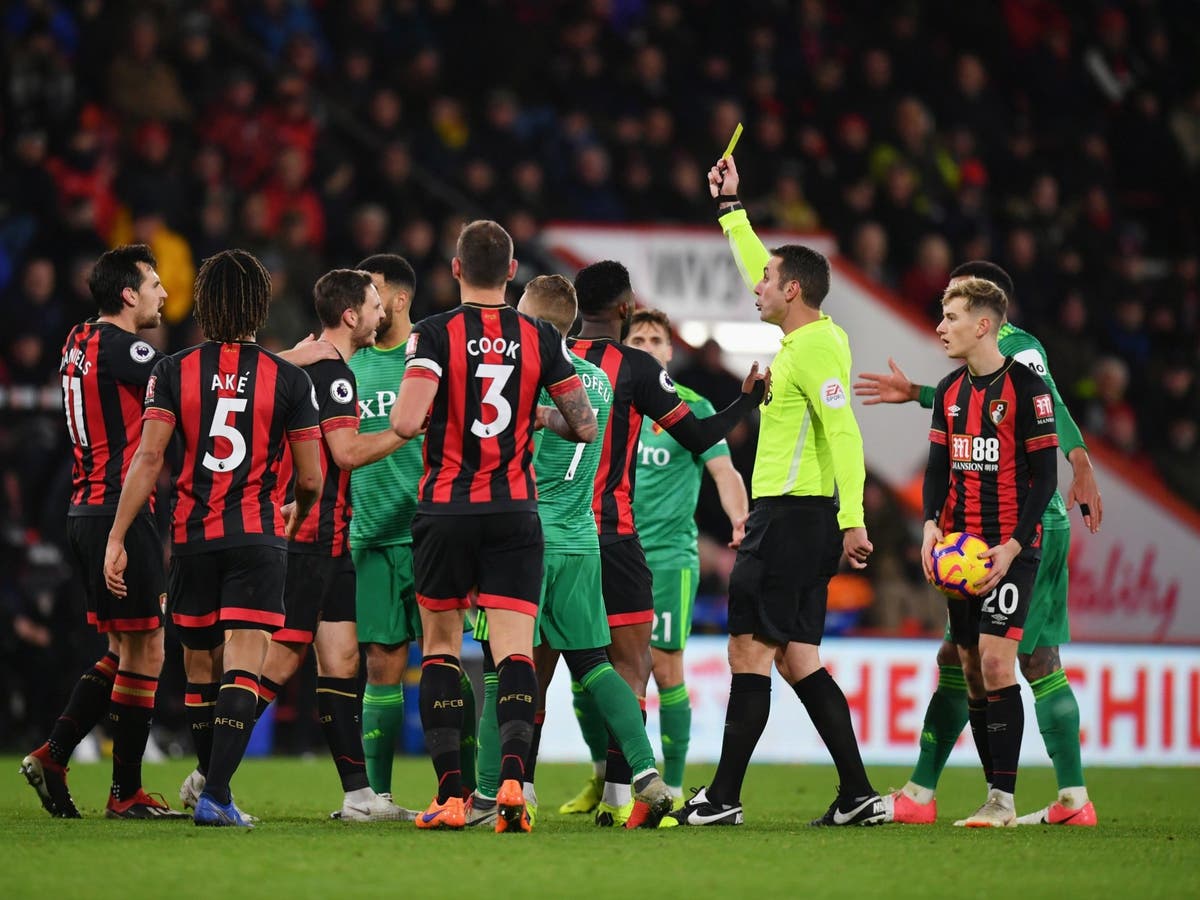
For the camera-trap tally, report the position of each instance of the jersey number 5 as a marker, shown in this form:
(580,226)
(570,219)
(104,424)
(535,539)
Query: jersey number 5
(222,427)
(494,398)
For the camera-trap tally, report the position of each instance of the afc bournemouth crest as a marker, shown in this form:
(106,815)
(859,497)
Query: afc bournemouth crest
(997,410)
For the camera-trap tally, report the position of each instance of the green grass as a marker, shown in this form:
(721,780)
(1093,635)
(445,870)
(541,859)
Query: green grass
(1148,844)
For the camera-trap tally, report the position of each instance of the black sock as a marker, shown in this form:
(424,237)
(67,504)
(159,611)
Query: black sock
(516,703)
(129,712)
(200,698)
(441,717)
(745,718)
(1005,726)
(267,691)
(830,714)
(89,701)
(977,714)
(233,720)
(535,744)
(338,705)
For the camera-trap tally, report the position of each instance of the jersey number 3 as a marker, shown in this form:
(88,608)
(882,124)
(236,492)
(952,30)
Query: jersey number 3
(493,398)
(222,427)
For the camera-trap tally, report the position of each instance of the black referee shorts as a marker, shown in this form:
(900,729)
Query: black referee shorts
(779,585)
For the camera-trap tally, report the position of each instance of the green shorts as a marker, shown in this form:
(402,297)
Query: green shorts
(675,582)
(385,600)
(571,615)
(1047,625)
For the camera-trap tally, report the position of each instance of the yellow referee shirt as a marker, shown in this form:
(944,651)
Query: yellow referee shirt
(808,438)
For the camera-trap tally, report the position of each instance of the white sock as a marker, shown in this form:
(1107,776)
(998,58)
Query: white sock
(616,794)
(920,794)
(360,797)
(530,793)
(676,792)
(600,769)
(1073,797)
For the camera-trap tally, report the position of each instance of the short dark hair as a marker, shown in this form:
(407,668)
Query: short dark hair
(806,266)
(233,296)
(981,268)
(601,286)
(553,299)
(485,252)
(337,291)
(395,269)
(116,270)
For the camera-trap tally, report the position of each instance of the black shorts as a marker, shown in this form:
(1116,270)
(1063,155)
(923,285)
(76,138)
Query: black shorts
(627,583)
(317,589)
(779,584)
(233,588)
(1002,612)
(141,609)
(500,554)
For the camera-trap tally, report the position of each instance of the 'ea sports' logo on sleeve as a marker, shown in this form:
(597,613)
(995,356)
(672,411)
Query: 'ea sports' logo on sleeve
(340,391)
(141,352)
(833,394)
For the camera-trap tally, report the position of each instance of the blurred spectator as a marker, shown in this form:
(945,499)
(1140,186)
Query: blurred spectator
(923,284)
(141,85)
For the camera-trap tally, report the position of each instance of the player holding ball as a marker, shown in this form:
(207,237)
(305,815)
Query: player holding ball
(991,473)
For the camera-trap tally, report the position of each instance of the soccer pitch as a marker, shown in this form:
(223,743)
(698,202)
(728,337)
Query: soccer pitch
(1148,843)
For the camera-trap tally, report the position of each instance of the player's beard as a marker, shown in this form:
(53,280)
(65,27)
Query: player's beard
(385,323)
(627,323)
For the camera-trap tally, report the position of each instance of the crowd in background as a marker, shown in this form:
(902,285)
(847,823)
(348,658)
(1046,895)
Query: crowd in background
(1059,139)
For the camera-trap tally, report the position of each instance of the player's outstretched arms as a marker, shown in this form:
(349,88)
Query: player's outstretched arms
(892,387)
(573,420)
(352,450)
(697,435)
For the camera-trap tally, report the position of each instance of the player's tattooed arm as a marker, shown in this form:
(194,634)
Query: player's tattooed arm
(573,419)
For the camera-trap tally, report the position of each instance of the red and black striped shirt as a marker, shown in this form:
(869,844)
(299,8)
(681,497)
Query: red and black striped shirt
(641,387)
(990,424)
(326,528)
(104,371)
(235,407)
(489,364)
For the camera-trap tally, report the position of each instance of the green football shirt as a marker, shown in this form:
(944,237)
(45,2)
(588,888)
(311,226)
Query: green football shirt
(1025,348)
(668,484)
(383,495)
(566,471)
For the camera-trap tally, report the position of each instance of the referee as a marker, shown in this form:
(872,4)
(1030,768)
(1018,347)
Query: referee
(808,445)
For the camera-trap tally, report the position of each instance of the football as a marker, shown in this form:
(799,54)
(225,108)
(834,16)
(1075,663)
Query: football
(956,564)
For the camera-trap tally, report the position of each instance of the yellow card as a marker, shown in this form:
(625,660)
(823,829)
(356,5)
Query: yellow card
(737,133)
